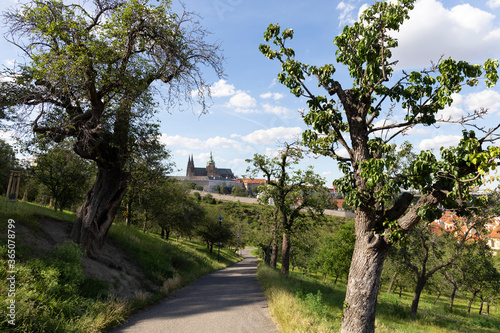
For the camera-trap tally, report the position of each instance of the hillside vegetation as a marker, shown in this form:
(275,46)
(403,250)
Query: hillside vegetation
(58,289)
(304,303)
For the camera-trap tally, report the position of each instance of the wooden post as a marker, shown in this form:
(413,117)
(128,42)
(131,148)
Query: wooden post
(13,187)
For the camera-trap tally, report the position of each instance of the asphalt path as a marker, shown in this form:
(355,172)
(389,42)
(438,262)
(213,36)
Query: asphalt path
(226,301)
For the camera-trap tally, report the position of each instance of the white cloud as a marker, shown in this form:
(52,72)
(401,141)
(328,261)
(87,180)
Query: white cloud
(8,136)
(439,141)
(488,99)
(272,135)
(241,100)
(197,144)
(493,3)
(222,89)
(465,104)
(462,32)
(345,17)
(275,96)
(276,109)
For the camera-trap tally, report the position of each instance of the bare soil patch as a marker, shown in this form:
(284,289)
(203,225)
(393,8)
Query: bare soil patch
(124,277)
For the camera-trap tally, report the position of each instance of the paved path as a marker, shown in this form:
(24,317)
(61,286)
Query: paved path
(226,301)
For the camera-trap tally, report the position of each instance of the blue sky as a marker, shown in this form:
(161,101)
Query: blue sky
(252,113)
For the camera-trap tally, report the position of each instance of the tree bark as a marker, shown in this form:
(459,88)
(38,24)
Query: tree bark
(391,284)
(437,297)
(285,255)
(97,213)
(267,258)
(363,283)
(274,252)
(471,301)
(416,296)
(452,297)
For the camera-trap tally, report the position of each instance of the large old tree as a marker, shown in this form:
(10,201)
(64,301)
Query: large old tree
(361,117)
(90,73)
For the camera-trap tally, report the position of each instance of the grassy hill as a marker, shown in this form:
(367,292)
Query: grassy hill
(50,286)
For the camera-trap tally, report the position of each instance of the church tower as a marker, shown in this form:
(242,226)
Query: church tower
(190,167)
(211,167)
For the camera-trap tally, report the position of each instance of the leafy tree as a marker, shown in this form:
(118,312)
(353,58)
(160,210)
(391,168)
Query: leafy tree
(65,175)
(351,116)
(92,74)
(210,230)
(173,209)
(290,190)
(8,162)
(424,252)
(239,191)
(335,252)
(149,161)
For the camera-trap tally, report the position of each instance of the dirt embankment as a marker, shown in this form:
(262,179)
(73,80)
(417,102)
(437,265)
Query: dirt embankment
(124,277)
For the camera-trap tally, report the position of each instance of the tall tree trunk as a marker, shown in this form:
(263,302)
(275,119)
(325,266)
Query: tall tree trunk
(96,215)
(267,257)
(416,295)
(452,297)
(274,252)
(437,297)
(471,301)
(391,284)
(285,255)
(363,283)
(481,307)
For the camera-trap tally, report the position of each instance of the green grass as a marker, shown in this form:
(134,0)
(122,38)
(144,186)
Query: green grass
(303,303)
(52,293)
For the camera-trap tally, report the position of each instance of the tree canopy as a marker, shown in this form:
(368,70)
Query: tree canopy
(91,73)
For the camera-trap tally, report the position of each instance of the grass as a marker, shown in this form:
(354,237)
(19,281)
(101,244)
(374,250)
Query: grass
(303,303)
(52,293)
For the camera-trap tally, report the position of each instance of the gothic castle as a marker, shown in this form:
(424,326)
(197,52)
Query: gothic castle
(209,171)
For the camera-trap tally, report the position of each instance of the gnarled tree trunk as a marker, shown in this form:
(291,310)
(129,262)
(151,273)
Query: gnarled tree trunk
(285,254)
(96,215)
(363,283)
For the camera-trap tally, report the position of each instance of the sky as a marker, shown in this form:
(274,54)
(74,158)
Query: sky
(252,113)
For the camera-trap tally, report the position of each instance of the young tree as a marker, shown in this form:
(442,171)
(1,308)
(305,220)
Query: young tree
(426,250)
(8,162)
(353,124)
(66,176)
(291,191)
(149,161)
(91,75)
(172,208)
(335,252)
(211,230)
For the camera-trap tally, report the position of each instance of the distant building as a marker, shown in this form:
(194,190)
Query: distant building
(209,171)
(209,176)
(448,222)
